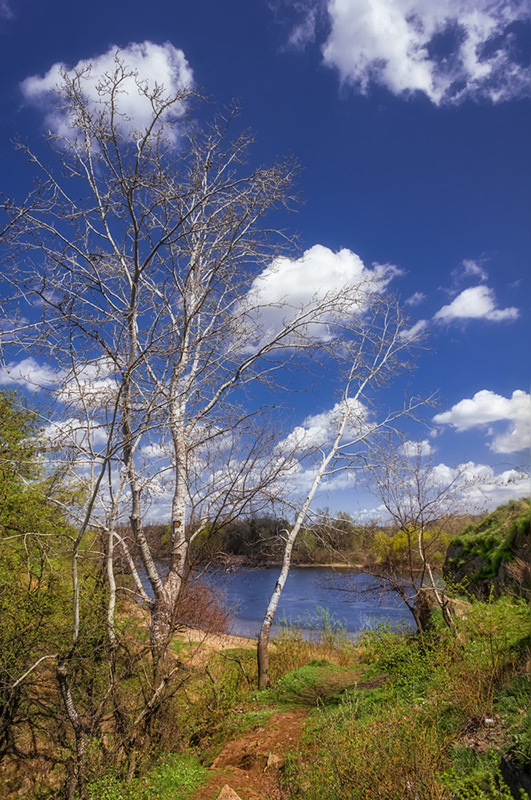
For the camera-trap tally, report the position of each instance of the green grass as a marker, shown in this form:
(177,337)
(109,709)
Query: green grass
(241,722)
(492,538)
(413,722)
(177,778)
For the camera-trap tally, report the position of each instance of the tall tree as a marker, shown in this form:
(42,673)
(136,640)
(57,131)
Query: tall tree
(148,251)
(375,352)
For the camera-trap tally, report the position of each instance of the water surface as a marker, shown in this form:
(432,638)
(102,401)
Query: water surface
(307,590)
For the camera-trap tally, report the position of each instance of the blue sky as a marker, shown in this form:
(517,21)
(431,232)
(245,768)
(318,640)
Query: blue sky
(411,121)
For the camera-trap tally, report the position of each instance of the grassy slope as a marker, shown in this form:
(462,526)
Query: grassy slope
(392,717)
(481,554)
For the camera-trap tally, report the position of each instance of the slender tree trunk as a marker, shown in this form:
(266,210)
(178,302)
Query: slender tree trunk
(265,630)
(79,727)
(262,651)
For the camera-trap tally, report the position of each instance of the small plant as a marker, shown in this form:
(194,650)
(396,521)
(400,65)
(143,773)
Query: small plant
(474,778)
(178,777)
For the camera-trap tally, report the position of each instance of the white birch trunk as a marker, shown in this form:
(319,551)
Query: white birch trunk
(265,630)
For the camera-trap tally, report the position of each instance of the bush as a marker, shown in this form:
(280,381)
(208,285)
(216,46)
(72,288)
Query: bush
(408,726)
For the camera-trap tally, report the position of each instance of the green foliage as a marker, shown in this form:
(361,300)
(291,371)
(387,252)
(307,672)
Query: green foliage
(491,540)
(399,730)
(399,548)
(177,777)
(34,597)
(405,658)
(473,777)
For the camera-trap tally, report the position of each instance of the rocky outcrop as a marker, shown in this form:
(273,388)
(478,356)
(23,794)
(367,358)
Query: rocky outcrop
(493,556)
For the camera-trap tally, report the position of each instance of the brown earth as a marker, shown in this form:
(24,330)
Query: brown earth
(250,765)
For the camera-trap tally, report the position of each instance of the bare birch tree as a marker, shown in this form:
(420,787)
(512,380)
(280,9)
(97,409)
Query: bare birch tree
(138,259)
(375,350)
(420,499)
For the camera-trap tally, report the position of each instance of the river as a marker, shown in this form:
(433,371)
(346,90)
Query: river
(307,589)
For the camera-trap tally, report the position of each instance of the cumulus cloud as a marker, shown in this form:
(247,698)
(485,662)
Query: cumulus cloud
(481,486)
(76,433)
(93,384)
(475,488)
(477,302)
(486,408)
(29,374)
(413,449)
(279,294)
(300,480)
(448,50)
(154,64)
(318,430)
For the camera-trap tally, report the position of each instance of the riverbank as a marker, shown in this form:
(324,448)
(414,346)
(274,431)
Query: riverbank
(397,715)
(215,641)
(231,563)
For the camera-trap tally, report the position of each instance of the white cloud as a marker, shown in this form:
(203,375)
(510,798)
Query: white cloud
(93,384)
(413,449)
(304,31)
(9,328)
(477,302)
(318,430)
(29,374)
(485,408)
(449,50)
(415,330)
(279,294)
(415,299)
(475,488)
(155,64)
(76,433)
(5,10)
(482,488)
(471,269)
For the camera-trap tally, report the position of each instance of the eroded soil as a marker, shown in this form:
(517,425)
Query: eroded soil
(251,764)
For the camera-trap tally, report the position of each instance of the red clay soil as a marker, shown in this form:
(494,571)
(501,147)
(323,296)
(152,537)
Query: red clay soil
(251,764)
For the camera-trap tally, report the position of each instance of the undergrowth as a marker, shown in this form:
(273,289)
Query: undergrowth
(392,717)
(177,777)
(429,717)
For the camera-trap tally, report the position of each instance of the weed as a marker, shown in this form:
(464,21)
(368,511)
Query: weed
(248,720)
(318,635)
(408,726)
(475,778)
(178,776)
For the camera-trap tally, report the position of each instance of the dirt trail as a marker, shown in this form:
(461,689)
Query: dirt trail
(251,764)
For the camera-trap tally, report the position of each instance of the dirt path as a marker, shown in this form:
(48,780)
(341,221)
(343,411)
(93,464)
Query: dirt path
(250,765)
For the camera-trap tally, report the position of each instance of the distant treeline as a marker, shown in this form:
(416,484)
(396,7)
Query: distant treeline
(259,540)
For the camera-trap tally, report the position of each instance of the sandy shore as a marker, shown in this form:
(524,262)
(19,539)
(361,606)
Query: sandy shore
(215,641)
